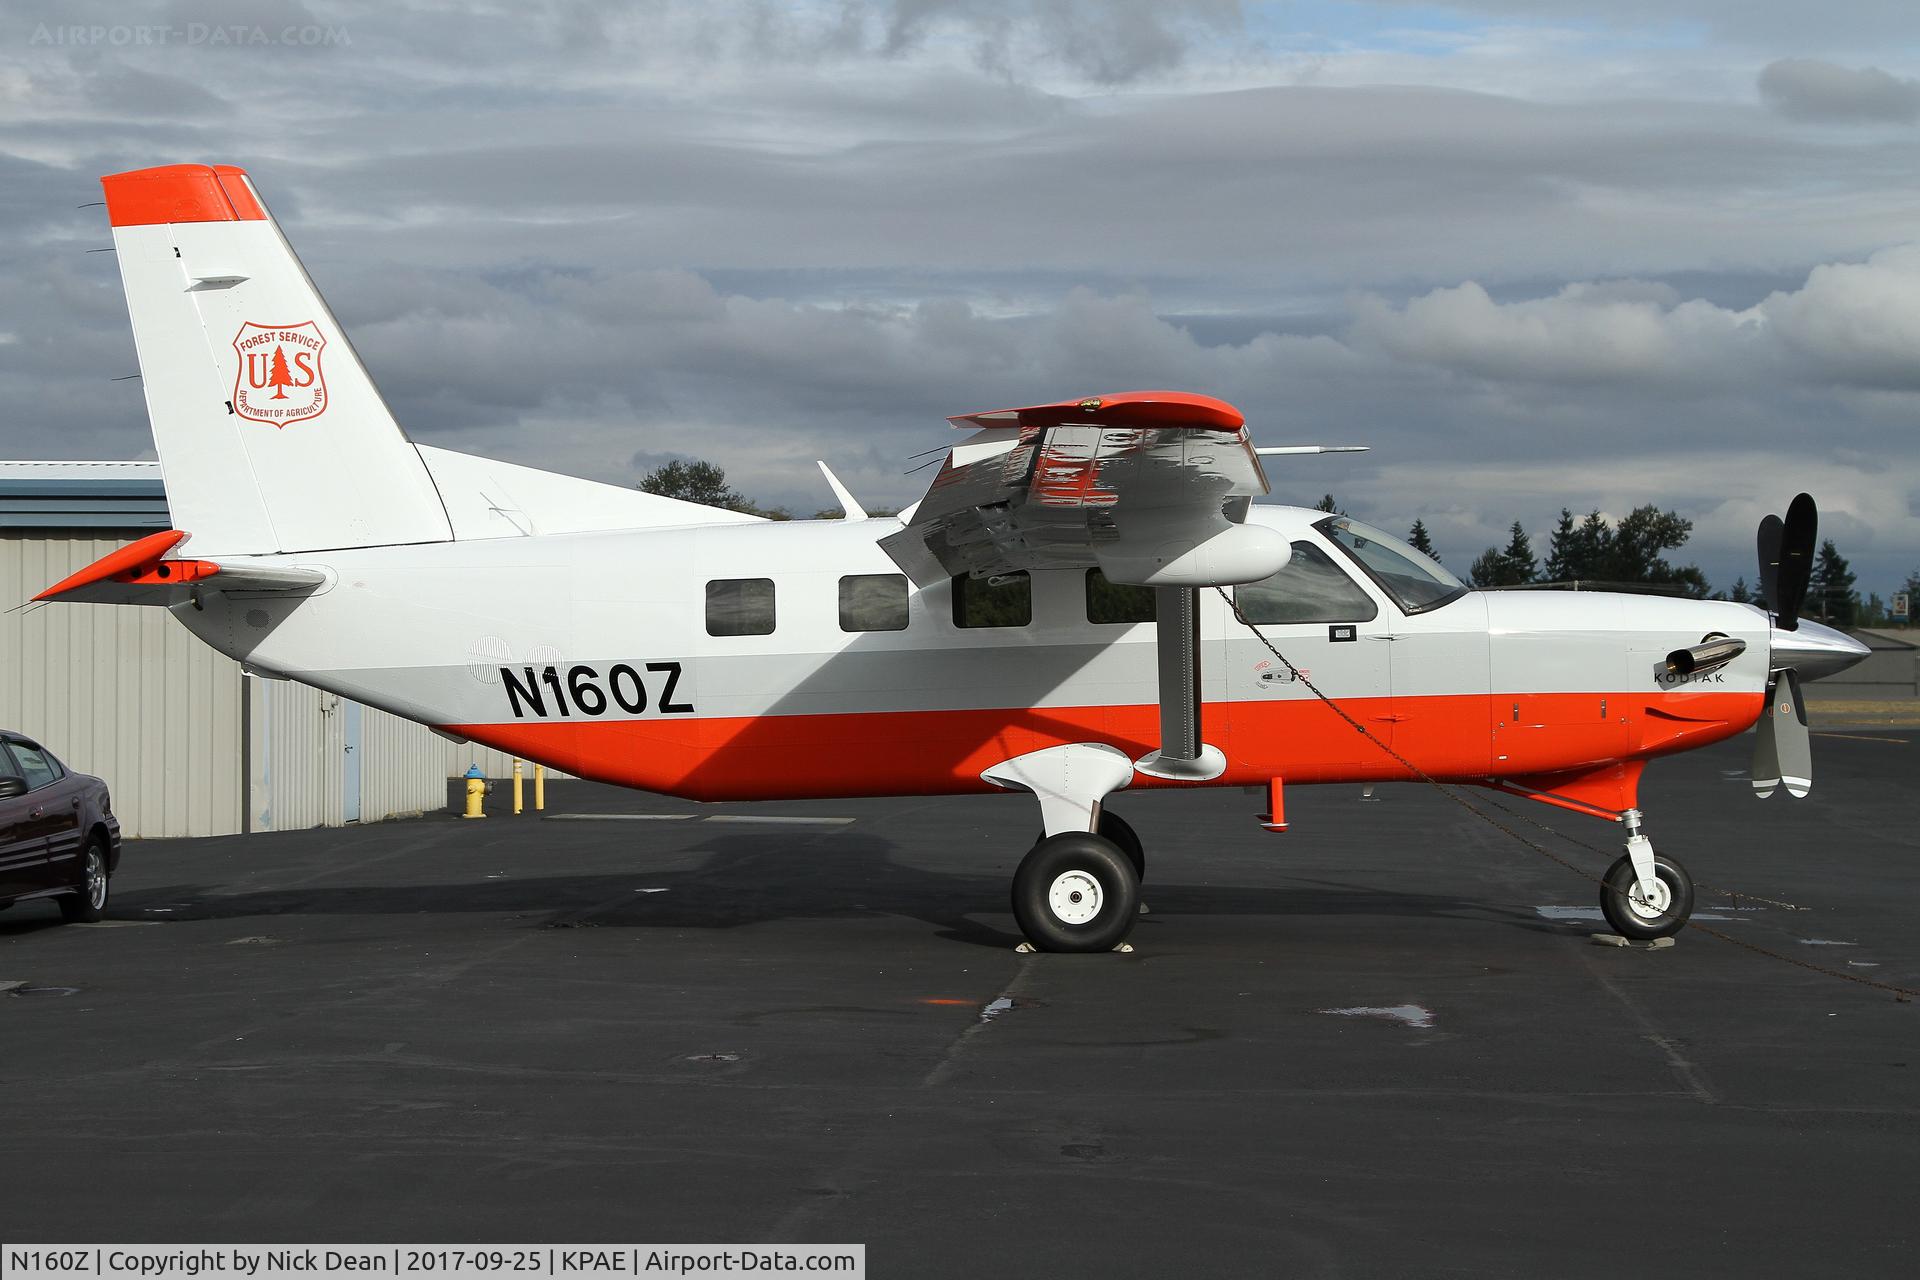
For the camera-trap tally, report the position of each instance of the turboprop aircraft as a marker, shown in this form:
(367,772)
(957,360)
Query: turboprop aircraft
(1085,601)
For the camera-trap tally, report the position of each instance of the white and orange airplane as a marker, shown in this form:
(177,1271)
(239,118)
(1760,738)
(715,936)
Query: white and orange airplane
(1086,600)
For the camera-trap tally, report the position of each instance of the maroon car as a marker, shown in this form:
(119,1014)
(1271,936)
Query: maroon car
(58,836)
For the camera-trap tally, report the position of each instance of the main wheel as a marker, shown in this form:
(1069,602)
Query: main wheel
(1116,828)
(1633,914)
(1076,892)
(89,902)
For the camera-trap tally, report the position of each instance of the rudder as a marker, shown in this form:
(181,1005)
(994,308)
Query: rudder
(271,435)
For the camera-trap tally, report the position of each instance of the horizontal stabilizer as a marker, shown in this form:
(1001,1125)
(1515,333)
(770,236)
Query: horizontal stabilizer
(141,573)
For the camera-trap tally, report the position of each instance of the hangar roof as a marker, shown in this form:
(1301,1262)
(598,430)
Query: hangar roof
(82,495)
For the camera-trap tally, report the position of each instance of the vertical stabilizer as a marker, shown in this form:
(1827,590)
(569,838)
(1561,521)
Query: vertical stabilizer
(271,435)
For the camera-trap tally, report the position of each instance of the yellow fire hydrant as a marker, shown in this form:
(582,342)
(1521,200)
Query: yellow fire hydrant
(476,793)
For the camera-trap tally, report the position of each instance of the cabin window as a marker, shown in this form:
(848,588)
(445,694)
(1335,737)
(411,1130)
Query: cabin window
(1312,588)
(740,607)
(1109,602)
(1005,600)
(873,602)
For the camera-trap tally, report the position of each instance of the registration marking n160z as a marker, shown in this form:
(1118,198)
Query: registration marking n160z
(591,694)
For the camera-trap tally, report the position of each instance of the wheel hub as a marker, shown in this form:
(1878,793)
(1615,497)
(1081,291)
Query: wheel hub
(96,881)
(1075,897)
(1650,907)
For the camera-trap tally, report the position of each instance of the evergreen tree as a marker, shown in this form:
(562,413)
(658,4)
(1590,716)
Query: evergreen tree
(1740,593)
(1421,541)
(1830,593)
(1326,504)
(1521,564)
(1513,567)
(1560,550)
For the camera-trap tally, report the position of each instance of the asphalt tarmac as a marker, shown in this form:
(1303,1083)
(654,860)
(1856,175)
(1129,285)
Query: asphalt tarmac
(696,1029)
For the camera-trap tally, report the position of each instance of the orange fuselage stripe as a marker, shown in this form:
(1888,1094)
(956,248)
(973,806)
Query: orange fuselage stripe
(1460,737)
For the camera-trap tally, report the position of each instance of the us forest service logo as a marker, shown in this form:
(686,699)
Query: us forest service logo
(279,379)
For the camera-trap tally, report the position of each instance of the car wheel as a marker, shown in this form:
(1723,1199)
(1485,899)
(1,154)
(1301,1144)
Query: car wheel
(88,903)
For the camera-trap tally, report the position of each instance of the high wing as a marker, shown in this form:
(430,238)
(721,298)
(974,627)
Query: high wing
(1152,487)
(142,573)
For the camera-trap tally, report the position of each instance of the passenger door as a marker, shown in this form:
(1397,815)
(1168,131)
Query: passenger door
(51,826)
(22,858)
(1335,633)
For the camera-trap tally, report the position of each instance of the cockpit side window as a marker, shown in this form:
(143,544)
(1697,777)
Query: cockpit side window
(1416,581)
(1311,588)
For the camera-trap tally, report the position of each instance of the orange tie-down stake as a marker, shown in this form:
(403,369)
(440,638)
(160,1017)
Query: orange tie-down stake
(1275,818)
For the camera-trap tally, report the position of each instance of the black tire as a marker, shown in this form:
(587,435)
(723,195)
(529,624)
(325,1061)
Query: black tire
(1076,892)
(1619,895)
(1115,828)
(88,903)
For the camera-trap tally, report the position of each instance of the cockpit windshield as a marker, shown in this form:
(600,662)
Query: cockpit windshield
(1416,581)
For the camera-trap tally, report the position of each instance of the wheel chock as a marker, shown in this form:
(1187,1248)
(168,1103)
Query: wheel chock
(1028,949)
(1615,940)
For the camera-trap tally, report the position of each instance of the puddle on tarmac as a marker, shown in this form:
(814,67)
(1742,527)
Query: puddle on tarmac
(1411,1015)
(1003,1004)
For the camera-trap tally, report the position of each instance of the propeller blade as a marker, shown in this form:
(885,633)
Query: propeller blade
(1766,742)
(1795,745)
(1798,534)
(1771,530)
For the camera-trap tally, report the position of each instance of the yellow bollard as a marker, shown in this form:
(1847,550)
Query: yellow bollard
(516,785)
(476,793)
(539,787)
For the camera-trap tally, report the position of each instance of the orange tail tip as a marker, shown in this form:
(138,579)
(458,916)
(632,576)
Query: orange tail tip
(180,193)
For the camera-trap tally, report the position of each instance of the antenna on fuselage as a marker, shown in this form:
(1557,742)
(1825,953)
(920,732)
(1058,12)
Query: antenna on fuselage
(852,509)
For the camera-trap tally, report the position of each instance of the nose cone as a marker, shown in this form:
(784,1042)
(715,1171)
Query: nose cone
(1816,650)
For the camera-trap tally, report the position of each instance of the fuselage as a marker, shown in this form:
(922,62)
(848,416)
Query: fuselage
(592,652)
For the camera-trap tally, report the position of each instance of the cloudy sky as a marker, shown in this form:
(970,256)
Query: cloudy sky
(1537,253)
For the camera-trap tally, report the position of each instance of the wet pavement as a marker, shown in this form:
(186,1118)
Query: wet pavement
(1382,1044)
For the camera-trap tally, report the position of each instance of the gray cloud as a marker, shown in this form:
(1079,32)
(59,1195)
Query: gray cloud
(1808,89)
(585,237)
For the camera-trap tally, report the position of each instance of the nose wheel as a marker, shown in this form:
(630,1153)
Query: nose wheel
(1643,913)
(1076,891)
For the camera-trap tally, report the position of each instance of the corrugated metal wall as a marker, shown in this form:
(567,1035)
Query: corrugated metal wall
(125,693)
(299,760)
(297,753)
(403,767)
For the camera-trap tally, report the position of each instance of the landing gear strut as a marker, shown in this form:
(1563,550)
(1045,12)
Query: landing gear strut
(1645,895)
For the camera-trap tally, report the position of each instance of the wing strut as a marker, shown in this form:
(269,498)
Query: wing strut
(1182,754)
